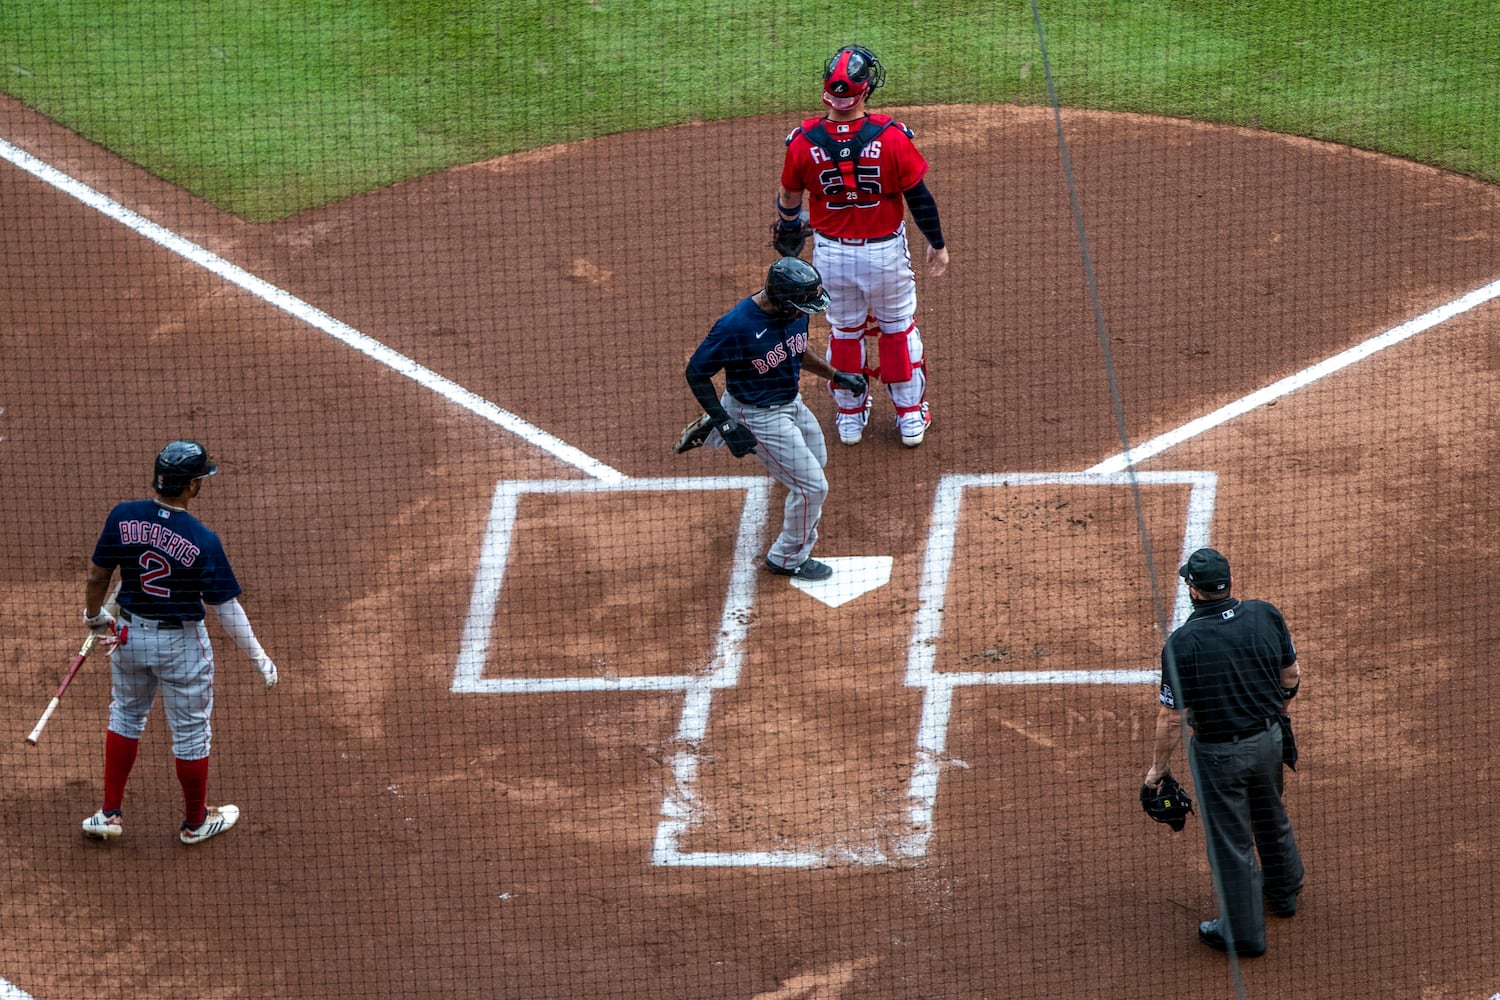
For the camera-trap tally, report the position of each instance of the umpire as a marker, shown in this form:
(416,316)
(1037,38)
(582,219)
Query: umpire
(1232,668)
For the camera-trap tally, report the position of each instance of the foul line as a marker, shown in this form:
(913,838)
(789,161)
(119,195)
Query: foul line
(309,314)
(1292,383)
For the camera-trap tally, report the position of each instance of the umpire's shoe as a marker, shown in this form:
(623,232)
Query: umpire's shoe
(1211,933)
(1286,908)
(811,569)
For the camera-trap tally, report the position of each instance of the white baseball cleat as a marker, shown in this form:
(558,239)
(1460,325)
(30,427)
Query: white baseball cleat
(219,819)
(913,426)
(103,827)
(852,425)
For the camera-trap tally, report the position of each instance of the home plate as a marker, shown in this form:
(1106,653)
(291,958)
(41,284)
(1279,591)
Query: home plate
(852,577)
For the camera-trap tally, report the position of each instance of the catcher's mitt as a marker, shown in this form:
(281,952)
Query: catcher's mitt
(1169,804)
(694,434)
(790,237)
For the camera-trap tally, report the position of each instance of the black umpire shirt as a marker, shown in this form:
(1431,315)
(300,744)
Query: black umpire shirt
(1229,656)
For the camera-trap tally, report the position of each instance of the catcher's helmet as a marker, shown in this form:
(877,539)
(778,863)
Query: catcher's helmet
(178,464)
(793,283)
(851,73)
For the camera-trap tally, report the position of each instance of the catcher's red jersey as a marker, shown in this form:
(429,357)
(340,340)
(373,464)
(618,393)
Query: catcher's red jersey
(871,205)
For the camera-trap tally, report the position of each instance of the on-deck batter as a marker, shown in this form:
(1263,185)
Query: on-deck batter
(856,167)
(760,346)
(170,565)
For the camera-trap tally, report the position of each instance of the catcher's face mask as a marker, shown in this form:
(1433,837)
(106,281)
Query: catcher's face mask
(851,74)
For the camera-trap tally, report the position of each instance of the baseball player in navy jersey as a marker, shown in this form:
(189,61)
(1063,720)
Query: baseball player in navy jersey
(761,345)
(170,567)
(859,172)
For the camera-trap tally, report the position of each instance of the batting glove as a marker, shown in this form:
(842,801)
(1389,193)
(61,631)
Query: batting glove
(850,382)
(100,624)
(739,438)
(268,671)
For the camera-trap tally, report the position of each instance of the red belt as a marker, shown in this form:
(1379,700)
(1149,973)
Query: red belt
(859,243)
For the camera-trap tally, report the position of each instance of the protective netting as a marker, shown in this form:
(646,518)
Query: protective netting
(424,282)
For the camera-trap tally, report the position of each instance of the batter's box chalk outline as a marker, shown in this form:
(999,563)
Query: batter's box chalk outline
(681,809)
(921,652)
(678,808)
(494,552)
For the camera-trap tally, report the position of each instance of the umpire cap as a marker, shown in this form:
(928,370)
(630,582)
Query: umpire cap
(1206,569)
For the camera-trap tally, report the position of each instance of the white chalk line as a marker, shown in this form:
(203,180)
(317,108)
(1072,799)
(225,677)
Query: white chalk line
(921,650)
(1276,390)
(679,807)
(309,314)
(939,686)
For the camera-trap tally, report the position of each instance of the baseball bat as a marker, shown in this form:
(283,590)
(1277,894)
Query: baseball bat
(83,654)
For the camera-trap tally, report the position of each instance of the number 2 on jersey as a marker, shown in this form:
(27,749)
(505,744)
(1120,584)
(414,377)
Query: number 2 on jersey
(154,568)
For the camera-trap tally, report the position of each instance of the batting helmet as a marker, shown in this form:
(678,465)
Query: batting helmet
(178,464)
(852,72)
(793,283)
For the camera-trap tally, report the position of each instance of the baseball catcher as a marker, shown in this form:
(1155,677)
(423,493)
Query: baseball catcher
(1168,804)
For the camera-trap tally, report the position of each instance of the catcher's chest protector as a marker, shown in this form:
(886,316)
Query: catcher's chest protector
(845,153)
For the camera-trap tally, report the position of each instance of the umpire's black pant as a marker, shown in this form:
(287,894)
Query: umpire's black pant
(1239,797)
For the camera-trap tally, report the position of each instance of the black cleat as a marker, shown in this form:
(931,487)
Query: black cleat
(809,570)
(1211,933)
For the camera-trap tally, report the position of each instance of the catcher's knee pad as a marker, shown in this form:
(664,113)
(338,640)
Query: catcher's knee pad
(895,356)
(847,354)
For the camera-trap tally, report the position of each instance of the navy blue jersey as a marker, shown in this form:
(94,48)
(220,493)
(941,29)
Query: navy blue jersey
(170,563)
(760,354)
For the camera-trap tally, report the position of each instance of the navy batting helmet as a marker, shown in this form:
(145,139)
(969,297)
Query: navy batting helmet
(178,464)
(851,73)
(793,283)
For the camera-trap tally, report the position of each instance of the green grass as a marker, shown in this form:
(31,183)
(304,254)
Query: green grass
(269,108)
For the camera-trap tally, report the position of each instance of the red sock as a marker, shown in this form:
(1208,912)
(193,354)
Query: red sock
(193,776)
(119,758)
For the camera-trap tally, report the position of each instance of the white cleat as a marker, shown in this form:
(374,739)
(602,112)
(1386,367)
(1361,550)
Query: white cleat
(103,827)
(219,819)
(913,426)
(851,426)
